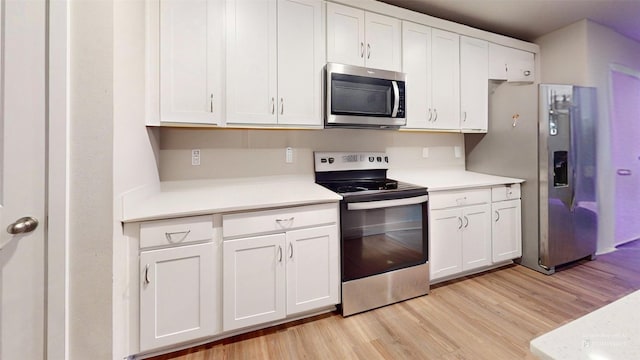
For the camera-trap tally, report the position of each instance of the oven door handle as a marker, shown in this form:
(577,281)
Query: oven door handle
(387,203)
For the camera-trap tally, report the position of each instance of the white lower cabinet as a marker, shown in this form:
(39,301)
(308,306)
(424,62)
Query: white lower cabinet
(269,277)
(177,285)
(473,229)
(460,240)
(507,223)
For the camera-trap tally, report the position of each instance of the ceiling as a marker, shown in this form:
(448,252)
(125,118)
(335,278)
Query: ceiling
(530,19)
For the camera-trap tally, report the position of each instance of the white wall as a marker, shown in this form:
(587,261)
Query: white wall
(242,153)
(581,54)
(90,179)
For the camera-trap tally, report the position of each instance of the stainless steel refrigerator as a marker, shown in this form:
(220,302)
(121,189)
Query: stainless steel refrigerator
(545,134)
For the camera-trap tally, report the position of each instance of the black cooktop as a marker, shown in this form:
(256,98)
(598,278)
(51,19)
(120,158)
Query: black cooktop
(346,187)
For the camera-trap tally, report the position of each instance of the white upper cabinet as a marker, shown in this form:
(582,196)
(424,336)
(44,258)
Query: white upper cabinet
(431,61)
(416,63)
(274,62)
(191,50)
(446,79)
(361,38)
(474,78)
(511,64)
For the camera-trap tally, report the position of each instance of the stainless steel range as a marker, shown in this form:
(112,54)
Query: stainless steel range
(384,234)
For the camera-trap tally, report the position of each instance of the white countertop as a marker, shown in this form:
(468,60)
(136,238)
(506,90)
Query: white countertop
(438,180)
(198,197)
(611,332)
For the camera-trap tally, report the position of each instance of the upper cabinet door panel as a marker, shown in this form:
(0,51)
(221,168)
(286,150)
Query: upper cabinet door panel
(474,79)
(190,60)
(416,63)
(446,79)
(345,35)
(383,42)
(300,62)
(251,61)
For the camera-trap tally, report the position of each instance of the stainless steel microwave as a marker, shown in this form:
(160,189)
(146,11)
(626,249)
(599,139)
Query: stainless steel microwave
(364,97)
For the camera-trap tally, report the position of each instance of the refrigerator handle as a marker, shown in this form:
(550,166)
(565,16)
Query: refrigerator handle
(572,184)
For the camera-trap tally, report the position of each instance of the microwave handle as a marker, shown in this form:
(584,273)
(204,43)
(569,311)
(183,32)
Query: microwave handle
(367,205)
(396,98)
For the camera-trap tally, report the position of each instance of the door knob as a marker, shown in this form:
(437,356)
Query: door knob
(23,225)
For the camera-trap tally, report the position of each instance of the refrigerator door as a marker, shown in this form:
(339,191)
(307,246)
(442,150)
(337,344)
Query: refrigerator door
(568,219)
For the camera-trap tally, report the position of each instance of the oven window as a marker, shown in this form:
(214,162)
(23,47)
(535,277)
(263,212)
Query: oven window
(380,240)
(356,95)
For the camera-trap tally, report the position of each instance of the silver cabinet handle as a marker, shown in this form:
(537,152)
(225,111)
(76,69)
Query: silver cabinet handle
(23,225)
(211,102)
(285,220)
(368,51)
(497,215)
(460,220)
(361,49)
(146,275)
(430,114)
(279,253)
(273,106)
(465,116)
(169,236)
(466,219)
(436,112)
(527,72)
(281,106)
(290,250)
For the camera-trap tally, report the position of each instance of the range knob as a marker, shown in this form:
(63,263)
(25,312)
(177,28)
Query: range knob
(331,160)
(386,159)
(371,158)
(379,158)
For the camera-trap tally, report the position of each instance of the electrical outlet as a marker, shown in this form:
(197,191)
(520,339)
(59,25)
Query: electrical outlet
(195,157)
(457,151)
(425,152)
(288,157)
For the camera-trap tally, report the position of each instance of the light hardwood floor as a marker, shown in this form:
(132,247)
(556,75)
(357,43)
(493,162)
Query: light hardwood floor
(489,316)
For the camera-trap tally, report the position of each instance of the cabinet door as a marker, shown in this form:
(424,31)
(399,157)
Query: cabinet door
(474,84)
(345,35)
(300,62)
(416,63)
(254,281)
(507,231)
(446,80)
(191,48)
(445,227)
(383,42)
(251,62)
(476,237)
(497,62)
(177,296)
(313,269)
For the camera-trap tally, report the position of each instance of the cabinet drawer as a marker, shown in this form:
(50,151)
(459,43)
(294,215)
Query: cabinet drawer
(448,199)
(176,231)
(507,192)
(266,221)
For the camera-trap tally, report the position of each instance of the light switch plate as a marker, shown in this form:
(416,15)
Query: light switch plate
(195,157)
(425,152)
(288,157)
(457,151)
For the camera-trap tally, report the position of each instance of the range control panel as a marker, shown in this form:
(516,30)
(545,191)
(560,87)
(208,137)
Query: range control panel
(337,161)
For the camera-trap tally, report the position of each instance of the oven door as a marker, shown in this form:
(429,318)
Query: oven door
(383,235)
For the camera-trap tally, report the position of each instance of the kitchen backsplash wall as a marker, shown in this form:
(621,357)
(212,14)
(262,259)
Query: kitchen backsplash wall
(232,153)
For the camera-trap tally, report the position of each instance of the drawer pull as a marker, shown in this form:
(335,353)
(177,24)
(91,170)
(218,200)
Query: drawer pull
(460,220)
(466,219)
(170,235)
(290,250)
(279,253)
(279,221)
(497,215)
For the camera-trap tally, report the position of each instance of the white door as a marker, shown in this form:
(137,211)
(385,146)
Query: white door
(445,252)
(446,79)
(253,282)
(345,34)
(476,236)
(313,268)
(251,87)
(474,89)
(191,36)
(625,152)
(383,36)
(300,62)
(416,63)
(506,230)
(22,179)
